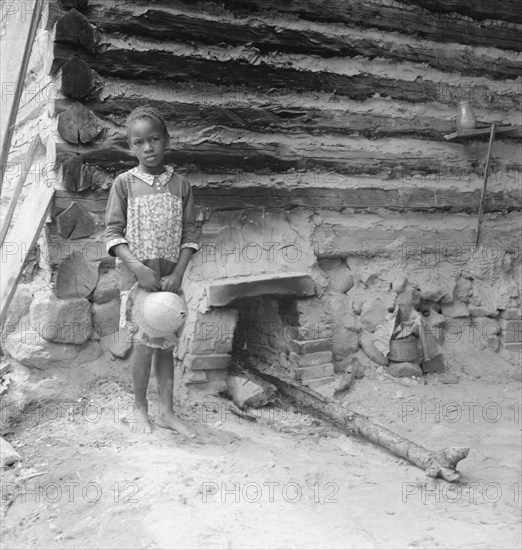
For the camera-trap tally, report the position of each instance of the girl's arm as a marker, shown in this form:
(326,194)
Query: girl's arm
(147,277)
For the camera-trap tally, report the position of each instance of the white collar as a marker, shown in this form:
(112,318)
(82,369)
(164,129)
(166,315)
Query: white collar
(149,178)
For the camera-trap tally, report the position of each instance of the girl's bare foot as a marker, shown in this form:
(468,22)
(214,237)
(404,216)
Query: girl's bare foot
(139,423)
(172,422)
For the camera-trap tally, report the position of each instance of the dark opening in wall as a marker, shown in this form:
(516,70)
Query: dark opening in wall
(265,327)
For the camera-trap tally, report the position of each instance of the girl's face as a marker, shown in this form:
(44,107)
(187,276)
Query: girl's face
(148,142)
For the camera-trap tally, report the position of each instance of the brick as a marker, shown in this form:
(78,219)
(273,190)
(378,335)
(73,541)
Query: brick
(215,361)
(314,371)
(318,382)
(511,330)
(196,377)
(513,347)
(311,346)
(277,284)
(511,337)
(316,358)
(511,313)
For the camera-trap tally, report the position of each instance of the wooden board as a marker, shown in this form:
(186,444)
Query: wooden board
(24,235)
(19,37)
(26,165)
(511,131)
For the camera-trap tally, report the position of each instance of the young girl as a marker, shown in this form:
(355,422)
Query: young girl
(150,228)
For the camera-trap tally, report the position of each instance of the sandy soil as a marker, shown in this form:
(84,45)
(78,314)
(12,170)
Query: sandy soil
(283,481)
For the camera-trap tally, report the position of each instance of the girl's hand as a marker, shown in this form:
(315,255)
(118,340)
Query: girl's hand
(171,283)
(148,278)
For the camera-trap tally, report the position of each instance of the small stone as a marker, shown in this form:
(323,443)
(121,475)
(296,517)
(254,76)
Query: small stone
(405,369)
(345,343)
(34,351)
(68,321)
(246,393)
(399,283)
(463,289)
(373,314)
(118,344)
(107,288)
(20,304)
(436,364)
(340,279)
(455,309)
(106,317)
(482,311)
(371,351)
(512,313)
(357,305)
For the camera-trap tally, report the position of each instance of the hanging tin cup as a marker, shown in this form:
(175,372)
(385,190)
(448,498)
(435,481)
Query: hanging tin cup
(465,117)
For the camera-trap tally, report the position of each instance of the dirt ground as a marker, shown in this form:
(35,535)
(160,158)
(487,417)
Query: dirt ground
(286,480)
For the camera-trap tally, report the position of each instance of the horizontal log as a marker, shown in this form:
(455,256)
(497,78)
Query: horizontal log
(422,199)
(412,235)
(120,60)
(390,15)
(364,198)
(274,116)
(504,10)
(227,151)
(162,22)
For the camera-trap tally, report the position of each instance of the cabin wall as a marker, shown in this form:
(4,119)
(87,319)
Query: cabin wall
(313,136)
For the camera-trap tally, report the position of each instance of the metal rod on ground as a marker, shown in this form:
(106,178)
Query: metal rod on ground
(484,186)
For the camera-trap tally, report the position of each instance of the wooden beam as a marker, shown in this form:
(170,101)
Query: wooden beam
(227,197)
(19,36)
(229,152)
(13,202)
(480,10)
(275,115)
(26,230)
(121,61)
(162,22)
(390,15)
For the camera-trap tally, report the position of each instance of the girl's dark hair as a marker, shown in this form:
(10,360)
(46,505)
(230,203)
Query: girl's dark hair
(146,111)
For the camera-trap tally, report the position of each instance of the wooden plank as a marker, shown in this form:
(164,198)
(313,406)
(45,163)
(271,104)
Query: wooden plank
(25,234)
(508,131)
(26,165)
(227,197)
(19,36)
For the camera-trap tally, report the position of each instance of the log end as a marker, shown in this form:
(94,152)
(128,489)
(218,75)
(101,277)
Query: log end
(443,463)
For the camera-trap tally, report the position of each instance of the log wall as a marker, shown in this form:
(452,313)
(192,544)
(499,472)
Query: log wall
(313,125)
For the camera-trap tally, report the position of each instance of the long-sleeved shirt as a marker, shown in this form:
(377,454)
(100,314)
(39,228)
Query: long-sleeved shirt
(154,215)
